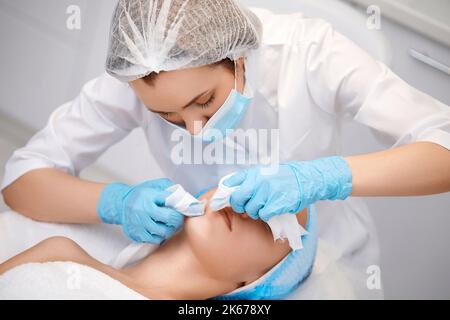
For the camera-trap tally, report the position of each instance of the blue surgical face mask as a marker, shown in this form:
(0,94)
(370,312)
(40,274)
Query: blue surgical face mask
(227,117)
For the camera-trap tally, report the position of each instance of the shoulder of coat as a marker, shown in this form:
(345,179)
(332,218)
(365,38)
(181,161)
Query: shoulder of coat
(289,28)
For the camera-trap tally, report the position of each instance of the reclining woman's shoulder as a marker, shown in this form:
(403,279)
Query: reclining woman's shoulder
(51,249)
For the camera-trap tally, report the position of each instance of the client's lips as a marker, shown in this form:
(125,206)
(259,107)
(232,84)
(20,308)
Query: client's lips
(228,217)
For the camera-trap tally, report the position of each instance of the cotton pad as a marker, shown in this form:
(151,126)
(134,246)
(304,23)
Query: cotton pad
(184,202)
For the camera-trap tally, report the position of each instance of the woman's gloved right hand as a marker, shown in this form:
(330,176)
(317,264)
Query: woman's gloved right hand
(140,210)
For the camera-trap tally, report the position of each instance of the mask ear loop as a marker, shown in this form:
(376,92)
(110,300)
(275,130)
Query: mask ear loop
(235,77)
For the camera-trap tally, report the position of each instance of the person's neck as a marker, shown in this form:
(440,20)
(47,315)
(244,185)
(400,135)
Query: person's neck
(173,272)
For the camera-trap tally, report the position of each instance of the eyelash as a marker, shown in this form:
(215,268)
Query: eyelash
(203,106)
(207,104)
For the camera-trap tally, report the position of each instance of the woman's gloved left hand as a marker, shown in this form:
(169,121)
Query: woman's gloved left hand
(293,187)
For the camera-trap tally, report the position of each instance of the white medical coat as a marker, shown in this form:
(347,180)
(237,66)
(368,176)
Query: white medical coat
(307,80)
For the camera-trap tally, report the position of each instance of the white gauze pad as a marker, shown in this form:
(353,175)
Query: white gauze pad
(184,202)
(284,226)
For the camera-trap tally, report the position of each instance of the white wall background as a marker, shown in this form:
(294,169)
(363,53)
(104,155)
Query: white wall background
(43,64)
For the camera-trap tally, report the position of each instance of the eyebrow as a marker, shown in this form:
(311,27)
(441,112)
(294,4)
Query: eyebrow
(187,105)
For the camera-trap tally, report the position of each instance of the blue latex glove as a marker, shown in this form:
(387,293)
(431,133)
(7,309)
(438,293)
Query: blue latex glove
(292,188)
(140,210)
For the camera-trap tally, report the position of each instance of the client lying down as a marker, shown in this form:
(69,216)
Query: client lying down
(221,255)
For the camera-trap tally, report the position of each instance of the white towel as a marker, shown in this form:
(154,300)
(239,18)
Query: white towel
(62,281)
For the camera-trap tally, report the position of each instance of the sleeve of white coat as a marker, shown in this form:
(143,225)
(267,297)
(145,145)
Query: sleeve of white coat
(78,132)
(346,81)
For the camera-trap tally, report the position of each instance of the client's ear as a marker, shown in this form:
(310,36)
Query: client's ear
(302,217)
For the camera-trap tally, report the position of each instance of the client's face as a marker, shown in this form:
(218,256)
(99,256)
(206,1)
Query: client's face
(234,248)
